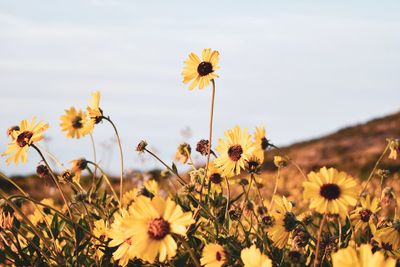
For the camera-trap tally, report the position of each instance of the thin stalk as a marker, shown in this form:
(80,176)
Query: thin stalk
(107,180)
(319,240)
(54,179)
(374,169)
(94,158)
(290,160)
(34,204)
(190,158)
(210,135)
(275,189)
(166,166)
(120,156)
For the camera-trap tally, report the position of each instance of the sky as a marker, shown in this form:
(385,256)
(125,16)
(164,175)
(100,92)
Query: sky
(302,69)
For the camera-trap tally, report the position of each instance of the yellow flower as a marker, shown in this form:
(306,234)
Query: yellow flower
(234,151)
(349,257)
(365,216)
(121,238)
(330,191)
(129,197)
(261,142)
(390,234)
(284,222)
(27,134)
(151,223)
(215,177)
(152,186)
(213,256)
(252,257)
(201,71)
(6,219)
(94,110)
(100,231)
(75,123)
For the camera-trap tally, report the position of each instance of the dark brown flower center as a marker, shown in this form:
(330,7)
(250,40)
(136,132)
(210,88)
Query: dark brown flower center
(204,68)
(77,122)
(235,152)
(289,221)
(216,178)
(330,191)
(23,138)
(218,256)
(158,229)
(387,246)
(365,215)
(264,143)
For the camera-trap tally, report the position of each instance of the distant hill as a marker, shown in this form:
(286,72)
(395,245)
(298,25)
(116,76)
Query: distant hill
(352,149)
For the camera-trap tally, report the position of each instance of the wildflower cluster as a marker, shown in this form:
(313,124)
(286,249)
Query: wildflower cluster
(219,213)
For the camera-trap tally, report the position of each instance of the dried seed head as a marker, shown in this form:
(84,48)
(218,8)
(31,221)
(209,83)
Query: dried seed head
(141,146)
(79,165)
(42,171)
(202,147)
(66,176)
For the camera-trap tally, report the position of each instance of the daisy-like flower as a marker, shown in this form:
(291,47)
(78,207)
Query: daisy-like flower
(129,197)
(261,142)
(6,219)
(284,222)
(390,234)
(121,238)
(75,123)
(94,110)
(330,191)
(152,223)
(100,231)
(200,71)
(350,257)
(365,216)
(215,177)
(213,256)
(27,134)
(235,150)
(252,257)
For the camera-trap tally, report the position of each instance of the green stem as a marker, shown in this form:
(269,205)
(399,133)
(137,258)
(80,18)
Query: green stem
(189,249)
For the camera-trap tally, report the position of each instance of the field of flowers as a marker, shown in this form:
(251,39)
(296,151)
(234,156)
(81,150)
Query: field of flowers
(218,214)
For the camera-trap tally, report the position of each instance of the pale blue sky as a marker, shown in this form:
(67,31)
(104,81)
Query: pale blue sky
(301,68)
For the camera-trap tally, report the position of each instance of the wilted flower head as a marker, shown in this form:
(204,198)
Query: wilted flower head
(280,162)
(6,219)
(183,152)
(394,146)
